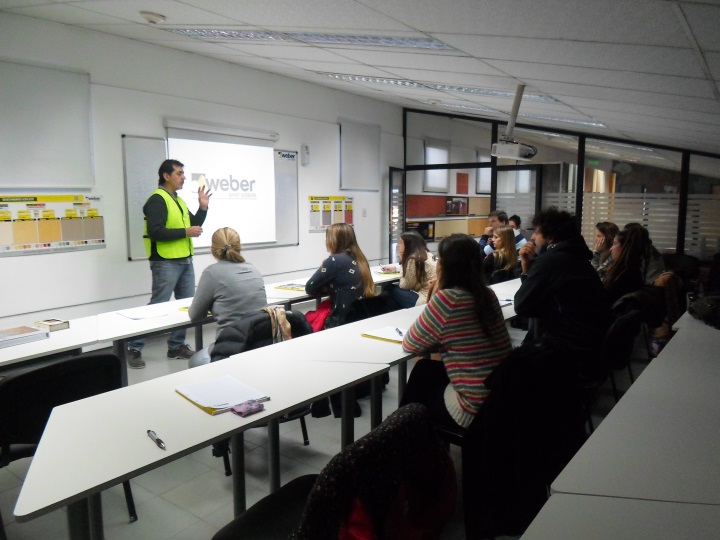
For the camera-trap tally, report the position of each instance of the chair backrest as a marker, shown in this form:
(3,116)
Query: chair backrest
(620,337)
(498,276)
(254,331)
(28,395)
(364,308)
(394,481)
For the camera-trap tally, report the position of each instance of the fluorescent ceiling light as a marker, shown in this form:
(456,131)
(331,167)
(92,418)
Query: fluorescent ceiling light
(313,38)
(468,108)
(589,123)
(441,87)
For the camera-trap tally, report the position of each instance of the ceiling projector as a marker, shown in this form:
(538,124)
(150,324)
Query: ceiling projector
(513,150)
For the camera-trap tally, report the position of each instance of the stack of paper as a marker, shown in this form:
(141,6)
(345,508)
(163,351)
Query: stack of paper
(388,333)
(215,396)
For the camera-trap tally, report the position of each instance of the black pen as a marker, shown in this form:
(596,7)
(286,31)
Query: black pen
(399,331)
(156,440)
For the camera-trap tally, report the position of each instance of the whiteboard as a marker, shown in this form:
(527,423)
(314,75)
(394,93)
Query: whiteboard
(45,137)
(143,155)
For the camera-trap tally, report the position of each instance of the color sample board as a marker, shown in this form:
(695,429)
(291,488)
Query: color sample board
(327,210)
(33,224)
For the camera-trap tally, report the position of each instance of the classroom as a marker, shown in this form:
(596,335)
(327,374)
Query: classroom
(631,92)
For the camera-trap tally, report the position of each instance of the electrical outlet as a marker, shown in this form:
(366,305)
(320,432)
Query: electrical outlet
(364,212)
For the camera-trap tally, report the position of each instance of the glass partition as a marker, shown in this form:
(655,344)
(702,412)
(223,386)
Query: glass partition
(626,183)
(702,225)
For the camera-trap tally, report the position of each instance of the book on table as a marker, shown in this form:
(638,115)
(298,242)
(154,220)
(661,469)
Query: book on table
(21,334)
(53,324)
(218,395)
(387,333)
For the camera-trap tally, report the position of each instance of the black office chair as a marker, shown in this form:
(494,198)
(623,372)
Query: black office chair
(395,482)
(28,395)
(254,332)
(617,347)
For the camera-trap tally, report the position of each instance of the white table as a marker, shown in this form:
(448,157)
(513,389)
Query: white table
(662,440)
(157,319)
(82,332)
(325,346)
(289,297)
(579,517)
(95,443)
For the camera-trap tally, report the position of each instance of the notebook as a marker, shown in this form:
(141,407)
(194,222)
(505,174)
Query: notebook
(218,395)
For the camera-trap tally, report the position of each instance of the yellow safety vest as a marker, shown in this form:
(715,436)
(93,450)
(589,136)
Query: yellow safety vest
(176,219)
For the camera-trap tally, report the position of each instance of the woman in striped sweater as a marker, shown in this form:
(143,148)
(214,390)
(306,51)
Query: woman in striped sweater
(464,323)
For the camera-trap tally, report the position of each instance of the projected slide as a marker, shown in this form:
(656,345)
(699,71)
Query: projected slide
(242,181)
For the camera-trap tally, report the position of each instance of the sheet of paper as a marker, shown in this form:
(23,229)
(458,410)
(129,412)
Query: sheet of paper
(145,312)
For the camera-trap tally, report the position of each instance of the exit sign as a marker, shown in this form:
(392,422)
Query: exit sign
(593,162)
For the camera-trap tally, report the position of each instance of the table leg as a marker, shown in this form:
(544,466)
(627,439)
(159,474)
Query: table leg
(375,401)
(78,516)
(120,350)
(274,454)
(96,519)
(347,433)
(237,456)
(402,380)
(198,337)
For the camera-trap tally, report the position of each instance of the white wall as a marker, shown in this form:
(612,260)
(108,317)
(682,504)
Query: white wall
(134,86)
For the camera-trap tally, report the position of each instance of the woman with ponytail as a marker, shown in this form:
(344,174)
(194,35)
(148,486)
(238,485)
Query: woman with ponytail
(232,287)
(464,323)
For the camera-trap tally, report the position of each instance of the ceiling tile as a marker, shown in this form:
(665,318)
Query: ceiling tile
(618,21)
(703,20)
(642,59)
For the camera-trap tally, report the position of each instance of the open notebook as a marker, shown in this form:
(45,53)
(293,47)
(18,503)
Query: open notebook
(218,395)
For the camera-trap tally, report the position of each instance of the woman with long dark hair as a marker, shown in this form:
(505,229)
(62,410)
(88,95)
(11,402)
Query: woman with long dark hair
(417,271)
(624,274)
(464,323)
(344,275)
(605,232)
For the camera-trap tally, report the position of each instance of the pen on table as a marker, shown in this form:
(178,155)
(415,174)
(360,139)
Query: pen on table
(156,439)
(399,332)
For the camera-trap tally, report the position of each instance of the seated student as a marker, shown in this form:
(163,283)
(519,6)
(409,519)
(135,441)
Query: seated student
(344,275)
(652,261)
(515,222)
(605,232)
(505,256)
(417,270)
(464,323)
(230,289)
(623,275)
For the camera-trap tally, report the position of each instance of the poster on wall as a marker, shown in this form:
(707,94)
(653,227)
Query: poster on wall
(34,224)
(326,210)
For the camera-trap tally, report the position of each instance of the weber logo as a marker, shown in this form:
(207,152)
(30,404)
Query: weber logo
(288,156)
(226,187)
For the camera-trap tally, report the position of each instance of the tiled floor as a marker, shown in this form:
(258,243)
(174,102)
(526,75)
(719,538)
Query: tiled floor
(191,498)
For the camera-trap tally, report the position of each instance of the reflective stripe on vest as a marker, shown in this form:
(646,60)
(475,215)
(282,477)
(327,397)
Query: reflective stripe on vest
(176,219)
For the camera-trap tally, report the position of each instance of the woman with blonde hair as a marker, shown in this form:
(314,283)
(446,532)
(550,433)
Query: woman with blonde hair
(232,287)
(500,265)
(344,275)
